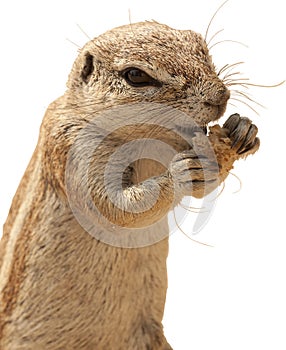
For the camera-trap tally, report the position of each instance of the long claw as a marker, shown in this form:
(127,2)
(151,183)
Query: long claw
(232,122)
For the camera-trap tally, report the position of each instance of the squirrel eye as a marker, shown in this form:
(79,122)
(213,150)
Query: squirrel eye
(138,78)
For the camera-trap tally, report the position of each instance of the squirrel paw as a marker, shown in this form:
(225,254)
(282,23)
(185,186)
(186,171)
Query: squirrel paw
(242,133)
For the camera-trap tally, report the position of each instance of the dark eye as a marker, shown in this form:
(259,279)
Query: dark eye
(138,78)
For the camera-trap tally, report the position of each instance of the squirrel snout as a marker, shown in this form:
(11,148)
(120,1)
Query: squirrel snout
(217,98)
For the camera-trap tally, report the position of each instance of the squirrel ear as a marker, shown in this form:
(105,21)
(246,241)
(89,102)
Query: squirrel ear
(88,67)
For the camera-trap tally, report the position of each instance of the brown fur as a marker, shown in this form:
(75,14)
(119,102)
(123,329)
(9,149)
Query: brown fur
(60,287)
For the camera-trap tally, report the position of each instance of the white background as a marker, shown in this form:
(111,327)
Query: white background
(232,296)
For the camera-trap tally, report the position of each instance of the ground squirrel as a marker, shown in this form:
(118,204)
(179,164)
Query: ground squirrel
(65,286)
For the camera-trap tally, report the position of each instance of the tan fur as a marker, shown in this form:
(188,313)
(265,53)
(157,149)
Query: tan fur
(60,287)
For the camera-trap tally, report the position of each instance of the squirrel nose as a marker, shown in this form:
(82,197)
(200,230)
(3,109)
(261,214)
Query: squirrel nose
(222,95)
(219,97)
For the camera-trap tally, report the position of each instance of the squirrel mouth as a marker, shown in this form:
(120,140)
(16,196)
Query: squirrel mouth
(192,128)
